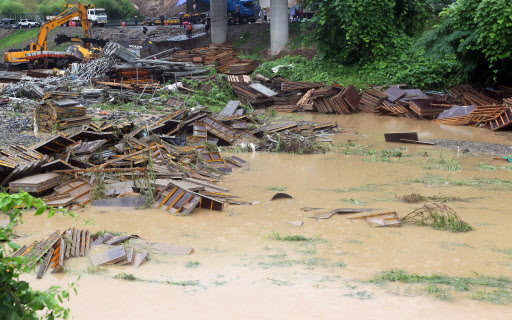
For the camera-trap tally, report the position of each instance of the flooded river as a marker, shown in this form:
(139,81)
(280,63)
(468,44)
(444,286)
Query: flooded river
(240,270)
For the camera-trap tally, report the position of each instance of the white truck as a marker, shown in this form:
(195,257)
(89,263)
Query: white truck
(96,17)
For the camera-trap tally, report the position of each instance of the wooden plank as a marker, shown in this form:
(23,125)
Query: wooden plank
(20,251)
(128,202)
(46,263)
(77,243)
(113,255)
(139,258)
(69,242)
(57,269)
(87,242)
(63,247)
(230,108)
(27,251)
(82,243)
(130,255)
(263,90)
(398,136)
(73,243)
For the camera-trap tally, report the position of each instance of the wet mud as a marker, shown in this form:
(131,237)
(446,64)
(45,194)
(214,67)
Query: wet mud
(241,269)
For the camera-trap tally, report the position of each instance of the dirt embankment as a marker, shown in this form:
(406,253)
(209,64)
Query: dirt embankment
(155,8)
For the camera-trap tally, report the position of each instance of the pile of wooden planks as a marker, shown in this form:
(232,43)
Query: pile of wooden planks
(55,249)
(371,99)
(60,112)
(221,57)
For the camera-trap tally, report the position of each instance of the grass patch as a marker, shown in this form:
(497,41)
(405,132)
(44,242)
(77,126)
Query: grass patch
(438,293)
(494,296)
(484,288)
(276,188)
(339,264)
(192,264)
(354,241)
(507,251)
(366,187)
(280,282)
(103,232)
(278,256)
(126,276)
(188,283)
(17,37)
(97,269)
(245,38)
(353,201)
(443,164)
(486,167)
(361,295)
(416,198)
(437,180)
(292,262)
(294,237)
(309,252)
(457,283)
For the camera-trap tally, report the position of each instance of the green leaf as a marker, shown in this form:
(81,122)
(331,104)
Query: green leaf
(40,211)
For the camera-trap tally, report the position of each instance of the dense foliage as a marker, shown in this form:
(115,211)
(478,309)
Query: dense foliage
(354,30)
(479,34)
(410,67)
(11,6)
(17,299)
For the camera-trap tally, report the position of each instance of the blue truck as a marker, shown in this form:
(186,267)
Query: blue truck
(239,11)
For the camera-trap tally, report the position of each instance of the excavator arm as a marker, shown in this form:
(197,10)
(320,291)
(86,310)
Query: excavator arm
(42,43)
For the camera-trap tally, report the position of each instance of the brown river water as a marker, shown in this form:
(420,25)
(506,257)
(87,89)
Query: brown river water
(243,273)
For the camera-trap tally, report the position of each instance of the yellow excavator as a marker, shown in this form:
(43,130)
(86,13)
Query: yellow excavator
(37,52)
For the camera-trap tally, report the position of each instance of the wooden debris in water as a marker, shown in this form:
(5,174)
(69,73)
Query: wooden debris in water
(439,216)
(386,219)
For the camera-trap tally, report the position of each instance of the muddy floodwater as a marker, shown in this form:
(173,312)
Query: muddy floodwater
(239,270)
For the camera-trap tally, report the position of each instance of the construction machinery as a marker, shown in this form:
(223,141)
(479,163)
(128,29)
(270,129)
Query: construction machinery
(37,53)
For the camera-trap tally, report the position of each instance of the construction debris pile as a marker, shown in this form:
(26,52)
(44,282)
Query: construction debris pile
(171,163)
(122,250)
(220,57)
(463,105)
(59,111)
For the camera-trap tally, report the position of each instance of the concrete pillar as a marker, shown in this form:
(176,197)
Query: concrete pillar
(279,20)
(219,14)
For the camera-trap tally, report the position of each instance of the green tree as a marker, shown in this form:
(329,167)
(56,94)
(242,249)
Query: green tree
(355,30)
(17,299)
(11,6)
(479,33)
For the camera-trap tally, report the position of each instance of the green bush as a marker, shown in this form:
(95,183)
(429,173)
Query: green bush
(11,6)
(17,299)
(479,34)
(365,30)
(410,67)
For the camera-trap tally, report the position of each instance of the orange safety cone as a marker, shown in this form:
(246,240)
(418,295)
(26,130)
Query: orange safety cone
(122,24)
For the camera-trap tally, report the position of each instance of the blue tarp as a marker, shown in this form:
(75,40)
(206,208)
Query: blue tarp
(181,2)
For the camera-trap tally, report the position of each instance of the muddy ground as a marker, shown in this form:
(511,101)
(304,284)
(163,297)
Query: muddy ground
(241,269)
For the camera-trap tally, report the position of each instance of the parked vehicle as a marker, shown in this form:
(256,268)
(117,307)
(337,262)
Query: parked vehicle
(239,11)
(9,24)
(96,17)
(28,23)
